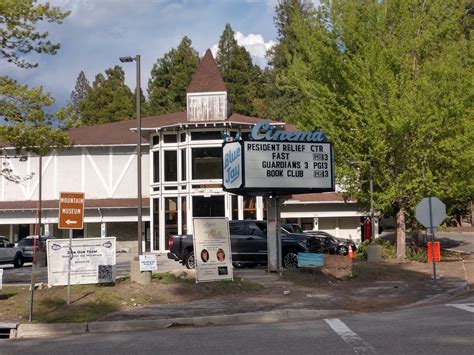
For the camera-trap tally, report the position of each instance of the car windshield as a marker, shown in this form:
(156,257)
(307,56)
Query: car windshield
(297,228)
(27,242)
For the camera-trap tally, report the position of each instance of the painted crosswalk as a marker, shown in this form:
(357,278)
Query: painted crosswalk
(350,338)
(469,307)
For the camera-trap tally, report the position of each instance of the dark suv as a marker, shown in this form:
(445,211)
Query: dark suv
(248,240)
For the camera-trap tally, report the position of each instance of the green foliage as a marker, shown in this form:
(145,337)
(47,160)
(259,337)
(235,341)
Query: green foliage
(170,77)
(388,249)
(391,84)
(18,34)
(108,100)
(242,78)
(29,128)
(80,91)
(418,254)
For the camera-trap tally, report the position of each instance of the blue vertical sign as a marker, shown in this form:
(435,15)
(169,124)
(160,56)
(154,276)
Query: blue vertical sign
(232,153)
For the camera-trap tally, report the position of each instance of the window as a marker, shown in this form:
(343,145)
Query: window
(184,222)
(171,215)
(183,164)
(237,228)
(156,140)
(171,165)
(156,223)
(207,163)
(307,223)
(206,135)
(250,208)
(208,206)
(170,138)
(182,137)
(156,166)
(258,228)
(235,207)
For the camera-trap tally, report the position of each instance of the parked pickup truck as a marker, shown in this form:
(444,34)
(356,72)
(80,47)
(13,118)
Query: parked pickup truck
(249,245)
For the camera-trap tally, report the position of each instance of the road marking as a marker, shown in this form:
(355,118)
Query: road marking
(349,337)
(464,306)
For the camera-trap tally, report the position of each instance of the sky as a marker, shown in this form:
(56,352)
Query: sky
(98,32)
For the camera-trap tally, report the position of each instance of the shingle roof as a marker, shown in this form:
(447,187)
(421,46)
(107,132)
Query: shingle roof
(207,77)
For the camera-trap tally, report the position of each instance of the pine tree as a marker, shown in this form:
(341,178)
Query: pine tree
(170,76)
(240,75)
(80,91)
(108,100)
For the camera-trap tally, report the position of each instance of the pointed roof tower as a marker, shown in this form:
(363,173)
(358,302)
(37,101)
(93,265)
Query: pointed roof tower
(207,77)
(206,95)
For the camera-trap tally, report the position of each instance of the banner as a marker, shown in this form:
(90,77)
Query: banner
(92,261)
(212,249)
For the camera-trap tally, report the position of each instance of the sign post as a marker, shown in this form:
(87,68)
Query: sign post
(431,212)
(71,216)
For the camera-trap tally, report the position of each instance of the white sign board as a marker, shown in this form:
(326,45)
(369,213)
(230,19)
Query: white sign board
(93,261)
(438,212)
(212,251)
(148,263)
(287,165)
(1,278)
(232,153)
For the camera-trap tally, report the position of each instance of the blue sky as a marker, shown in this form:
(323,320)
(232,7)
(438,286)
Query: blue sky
(99,31)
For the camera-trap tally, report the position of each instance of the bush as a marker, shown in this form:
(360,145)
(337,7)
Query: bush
(389,251)
(415,253)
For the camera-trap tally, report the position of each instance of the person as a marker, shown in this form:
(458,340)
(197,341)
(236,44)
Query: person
(204,255)
(220,255)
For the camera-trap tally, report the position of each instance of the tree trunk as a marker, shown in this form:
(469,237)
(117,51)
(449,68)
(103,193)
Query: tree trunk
(401,236)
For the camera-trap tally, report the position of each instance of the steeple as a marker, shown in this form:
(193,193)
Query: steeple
(207,93)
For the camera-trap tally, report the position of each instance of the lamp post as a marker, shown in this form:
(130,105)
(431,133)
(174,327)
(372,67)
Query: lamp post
(139,148)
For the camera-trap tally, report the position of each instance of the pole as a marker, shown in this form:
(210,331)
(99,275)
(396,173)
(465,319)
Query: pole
(69,268)
(38,230)
(139,158)
(372,224)
(432,240)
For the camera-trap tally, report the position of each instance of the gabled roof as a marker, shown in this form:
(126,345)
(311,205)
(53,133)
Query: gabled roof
(207,77)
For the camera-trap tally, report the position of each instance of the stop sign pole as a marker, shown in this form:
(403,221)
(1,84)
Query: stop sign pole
(431,212)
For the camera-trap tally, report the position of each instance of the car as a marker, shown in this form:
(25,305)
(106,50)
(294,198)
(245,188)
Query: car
(292,228)
(248,240)
(10,254)
(339,246)
(27,246)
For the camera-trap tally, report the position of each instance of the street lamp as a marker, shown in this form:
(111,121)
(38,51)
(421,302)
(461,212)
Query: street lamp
(139,148)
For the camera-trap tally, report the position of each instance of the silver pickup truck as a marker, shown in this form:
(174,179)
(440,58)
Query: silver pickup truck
(10,254)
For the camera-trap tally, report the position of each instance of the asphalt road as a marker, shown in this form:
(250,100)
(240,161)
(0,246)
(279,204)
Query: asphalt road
(438,329)
(23,275)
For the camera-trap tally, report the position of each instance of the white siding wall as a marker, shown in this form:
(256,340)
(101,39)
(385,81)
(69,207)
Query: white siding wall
(99,172)
(207,107)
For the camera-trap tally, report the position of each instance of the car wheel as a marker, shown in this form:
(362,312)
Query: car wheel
(343,251)
(18,262)
(290,260)
(189,261)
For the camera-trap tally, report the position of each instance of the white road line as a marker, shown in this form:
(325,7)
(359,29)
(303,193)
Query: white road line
(349,337)
(464,306)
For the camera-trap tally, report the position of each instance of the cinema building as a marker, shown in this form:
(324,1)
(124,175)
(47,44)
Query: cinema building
(181,176)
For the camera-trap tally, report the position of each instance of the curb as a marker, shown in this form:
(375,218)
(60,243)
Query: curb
(59,329)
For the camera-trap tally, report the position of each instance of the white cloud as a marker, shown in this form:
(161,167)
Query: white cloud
(254,44)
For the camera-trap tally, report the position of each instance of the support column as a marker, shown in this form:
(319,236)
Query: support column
(274,234)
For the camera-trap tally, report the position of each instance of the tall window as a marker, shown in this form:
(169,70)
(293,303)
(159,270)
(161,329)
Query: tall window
(235,207)
(156,166)
(207,163)
(183,164)
(156,223)
(184,222)
(250,207)
(208,206)
(171,215)
(171,165)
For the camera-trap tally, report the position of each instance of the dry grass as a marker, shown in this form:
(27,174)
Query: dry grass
(90,302)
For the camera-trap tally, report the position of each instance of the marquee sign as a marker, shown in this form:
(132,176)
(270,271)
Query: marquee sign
(279,162)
